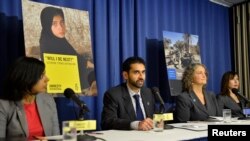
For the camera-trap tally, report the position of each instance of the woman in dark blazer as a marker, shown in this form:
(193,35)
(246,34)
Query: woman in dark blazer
(25,110)
(227,99)
(195,103)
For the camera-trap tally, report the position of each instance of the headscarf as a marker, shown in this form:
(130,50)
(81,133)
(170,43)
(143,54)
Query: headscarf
(49,43)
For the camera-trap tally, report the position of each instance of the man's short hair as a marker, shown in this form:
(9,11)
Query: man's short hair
(131,60)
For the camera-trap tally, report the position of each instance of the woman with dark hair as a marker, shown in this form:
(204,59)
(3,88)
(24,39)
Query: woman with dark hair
(227,99)
(53,40)
(195,103)
(25,110)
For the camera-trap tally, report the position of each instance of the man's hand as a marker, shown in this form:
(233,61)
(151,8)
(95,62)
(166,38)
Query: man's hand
(146,124)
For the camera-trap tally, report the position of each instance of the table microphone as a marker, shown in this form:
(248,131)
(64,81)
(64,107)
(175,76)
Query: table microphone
(156,92)
(237,92)
(69,93)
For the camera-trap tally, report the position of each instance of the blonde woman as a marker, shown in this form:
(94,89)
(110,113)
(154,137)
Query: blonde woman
(195,103)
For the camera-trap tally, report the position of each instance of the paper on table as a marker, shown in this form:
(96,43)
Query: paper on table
(218,119)
(215,118)
(194,127)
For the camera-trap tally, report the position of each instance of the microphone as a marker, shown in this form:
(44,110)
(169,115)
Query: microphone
(156,92)
(237,92)
(70,94)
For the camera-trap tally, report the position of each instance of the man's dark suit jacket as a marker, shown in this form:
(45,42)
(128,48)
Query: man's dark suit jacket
(118,111)
(189,107)
(225,102)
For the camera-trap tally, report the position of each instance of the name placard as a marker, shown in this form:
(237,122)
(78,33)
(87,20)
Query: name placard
(164,117)
(83,124)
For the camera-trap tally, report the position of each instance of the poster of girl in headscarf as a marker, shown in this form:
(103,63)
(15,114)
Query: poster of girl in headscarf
(61,38)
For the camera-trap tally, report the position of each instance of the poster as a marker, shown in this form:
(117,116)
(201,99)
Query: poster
(67,63)
(181,50)
(53,32)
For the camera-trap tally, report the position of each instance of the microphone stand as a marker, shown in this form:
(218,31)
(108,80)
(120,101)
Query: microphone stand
(82,136)
(81,117)
(81,114)
(162,110)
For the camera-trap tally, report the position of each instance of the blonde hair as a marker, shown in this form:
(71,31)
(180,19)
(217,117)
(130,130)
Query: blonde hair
(188,74)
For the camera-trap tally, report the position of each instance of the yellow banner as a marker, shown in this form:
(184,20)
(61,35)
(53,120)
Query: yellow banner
(63,73)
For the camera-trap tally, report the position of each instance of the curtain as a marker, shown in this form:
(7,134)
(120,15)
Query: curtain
(124,28)
(241,44)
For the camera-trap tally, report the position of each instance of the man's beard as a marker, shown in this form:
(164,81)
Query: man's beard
(137,84)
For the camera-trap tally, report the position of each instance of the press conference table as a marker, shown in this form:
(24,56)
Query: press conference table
(169,135)
(182,131)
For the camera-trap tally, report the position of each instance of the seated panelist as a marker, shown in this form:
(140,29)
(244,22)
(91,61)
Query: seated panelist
(130,105)
(26,111)
(227,99)
(195,103)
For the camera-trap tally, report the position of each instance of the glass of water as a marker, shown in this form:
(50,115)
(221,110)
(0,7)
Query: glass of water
(227,115)
(158,121)
(69,131)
